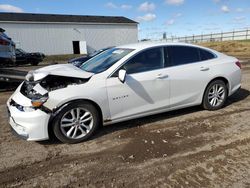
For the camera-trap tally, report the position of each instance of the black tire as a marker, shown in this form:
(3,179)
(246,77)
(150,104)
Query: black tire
(34,63)
(206,104)
(58,130)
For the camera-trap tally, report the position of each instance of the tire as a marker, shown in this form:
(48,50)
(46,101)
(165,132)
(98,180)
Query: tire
(215,95)
(14,64)
(70,129)
(34,63)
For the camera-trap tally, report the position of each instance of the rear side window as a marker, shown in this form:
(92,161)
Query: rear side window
(148,60)
(181,55)
(206,55)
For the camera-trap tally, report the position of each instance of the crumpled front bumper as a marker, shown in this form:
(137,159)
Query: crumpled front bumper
(32,126)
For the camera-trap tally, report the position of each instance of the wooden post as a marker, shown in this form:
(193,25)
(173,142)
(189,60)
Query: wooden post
(246,34)
(221,37)
(233,34)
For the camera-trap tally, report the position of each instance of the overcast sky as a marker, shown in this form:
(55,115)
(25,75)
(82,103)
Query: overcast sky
(175,17)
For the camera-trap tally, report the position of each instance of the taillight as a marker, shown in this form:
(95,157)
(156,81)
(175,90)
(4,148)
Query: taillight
(238,64)
(4,42)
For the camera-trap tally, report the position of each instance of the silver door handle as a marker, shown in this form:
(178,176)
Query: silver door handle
(204,68)
(162,76)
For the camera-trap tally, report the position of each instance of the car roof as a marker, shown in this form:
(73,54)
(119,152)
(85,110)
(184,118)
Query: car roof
(143,45)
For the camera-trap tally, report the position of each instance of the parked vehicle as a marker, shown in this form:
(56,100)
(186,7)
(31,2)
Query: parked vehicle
(120,84)
(7,49)
(80,60)
(23,57)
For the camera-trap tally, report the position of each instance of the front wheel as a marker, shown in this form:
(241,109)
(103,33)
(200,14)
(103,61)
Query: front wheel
(215,95)
(76,122)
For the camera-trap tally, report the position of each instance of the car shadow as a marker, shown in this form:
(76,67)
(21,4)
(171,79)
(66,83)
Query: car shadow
(237,97)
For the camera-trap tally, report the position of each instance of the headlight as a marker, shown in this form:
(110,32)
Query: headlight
(22,108)
(28,109)
(39,102)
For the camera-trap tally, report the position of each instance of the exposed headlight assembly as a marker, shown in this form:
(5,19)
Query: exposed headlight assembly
(37,90)
(22,108)
(39,102)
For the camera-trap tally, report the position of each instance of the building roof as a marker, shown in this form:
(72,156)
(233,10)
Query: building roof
(58,18)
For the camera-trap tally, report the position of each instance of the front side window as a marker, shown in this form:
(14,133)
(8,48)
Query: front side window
(145,61)
(105,60)
(181,55)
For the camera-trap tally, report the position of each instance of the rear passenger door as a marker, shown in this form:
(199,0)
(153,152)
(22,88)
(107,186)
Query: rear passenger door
(188,73)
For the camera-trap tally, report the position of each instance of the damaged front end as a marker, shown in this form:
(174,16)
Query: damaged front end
(29,114)
(37,87)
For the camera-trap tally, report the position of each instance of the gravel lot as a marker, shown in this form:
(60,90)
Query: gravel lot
(184,148)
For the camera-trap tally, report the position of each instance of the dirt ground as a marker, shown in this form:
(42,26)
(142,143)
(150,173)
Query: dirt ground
(184,148)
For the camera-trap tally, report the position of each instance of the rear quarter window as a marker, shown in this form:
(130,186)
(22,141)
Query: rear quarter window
(206,55)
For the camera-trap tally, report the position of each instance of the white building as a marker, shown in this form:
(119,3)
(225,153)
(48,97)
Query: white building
(67,34)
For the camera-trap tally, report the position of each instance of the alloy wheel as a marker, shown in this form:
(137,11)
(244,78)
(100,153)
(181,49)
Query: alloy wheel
(76,123)
(216,95)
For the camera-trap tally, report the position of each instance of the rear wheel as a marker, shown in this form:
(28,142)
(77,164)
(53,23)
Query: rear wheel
(215,95)
(76,122)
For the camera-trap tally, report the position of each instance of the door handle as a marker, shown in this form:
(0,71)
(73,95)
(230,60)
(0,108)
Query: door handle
(205,68)
(162,76)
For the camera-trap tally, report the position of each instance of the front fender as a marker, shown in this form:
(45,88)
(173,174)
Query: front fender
(97,95)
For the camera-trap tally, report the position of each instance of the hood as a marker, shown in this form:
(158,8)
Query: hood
(66,70)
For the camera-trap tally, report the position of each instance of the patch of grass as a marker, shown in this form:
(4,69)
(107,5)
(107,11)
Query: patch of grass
(248,40)
(61,58)
(238,49)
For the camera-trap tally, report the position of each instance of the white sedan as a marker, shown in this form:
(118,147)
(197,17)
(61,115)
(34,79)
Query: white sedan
(120,84)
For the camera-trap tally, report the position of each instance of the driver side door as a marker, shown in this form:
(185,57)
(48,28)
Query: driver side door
(146,86)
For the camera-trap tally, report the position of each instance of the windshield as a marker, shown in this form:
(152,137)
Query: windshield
(105,60)
(96,53)
(99,51)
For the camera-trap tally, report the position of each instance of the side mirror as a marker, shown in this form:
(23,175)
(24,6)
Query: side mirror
(122,75)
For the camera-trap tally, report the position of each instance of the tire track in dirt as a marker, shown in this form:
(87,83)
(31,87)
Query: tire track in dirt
(59,163)
(188,137)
